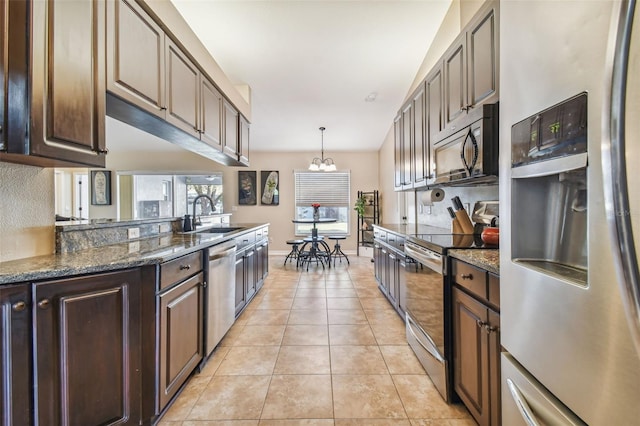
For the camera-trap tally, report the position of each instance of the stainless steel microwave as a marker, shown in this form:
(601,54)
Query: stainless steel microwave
(469,156)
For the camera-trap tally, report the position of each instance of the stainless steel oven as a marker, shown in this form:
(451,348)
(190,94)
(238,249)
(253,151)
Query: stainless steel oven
(426,302)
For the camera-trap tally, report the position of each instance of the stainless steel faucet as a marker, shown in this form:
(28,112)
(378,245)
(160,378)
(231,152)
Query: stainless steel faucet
(195,200)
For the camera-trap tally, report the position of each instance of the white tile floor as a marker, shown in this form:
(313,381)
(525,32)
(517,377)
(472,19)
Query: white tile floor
(315,348)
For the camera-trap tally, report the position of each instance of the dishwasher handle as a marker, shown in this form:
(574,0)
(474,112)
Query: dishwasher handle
(215,255)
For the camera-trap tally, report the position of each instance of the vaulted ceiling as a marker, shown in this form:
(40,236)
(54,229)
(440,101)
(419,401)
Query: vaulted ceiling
(313,63)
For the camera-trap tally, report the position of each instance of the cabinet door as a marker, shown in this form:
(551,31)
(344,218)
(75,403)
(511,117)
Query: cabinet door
(398,152)
(262,264)
(181,342)
(455,80)
(385,271)
(136,57)
(210,114)
(230,130)
(435,113)
(494,368)
(183,90)
(3,72)
(420,149)
(250,272)
(240,292)
(15,353)
(68,81)
(378,261)
(393,285)
(407,150)
(483,63)
(471,355)
(87,346)
(244,140)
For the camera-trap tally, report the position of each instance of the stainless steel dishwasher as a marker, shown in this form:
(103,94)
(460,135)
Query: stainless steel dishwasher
(220,307)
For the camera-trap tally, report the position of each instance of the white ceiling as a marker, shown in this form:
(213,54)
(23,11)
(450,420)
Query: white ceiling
(312,63)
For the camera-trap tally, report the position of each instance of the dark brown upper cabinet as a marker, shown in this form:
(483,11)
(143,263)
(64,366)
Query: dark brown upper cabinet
(243,140)
(461,81)
(183,91)
(471,67)
(398,153)
(136,57)
(211,114)
(4,69)
(420,147)
(407,146)
(156,86)
(56,84)
(230,137)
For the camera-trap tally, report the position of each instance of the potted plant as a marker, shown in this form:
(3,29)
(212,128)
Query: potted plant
(359,206)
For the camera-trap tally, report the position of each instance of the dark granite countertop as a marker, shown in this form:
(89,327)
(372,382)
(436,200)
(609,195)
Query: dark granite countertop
(412,228)
(487,259)
(134,253)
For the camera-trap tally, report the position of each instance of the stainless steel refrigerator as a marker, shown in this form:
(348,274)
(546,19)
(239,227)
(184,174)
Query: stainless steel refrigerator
(570,209)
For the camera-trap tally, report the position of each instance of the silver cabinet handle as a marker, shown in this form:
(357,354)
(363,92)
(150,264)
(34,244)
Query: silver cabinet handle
(521,403)
(44,304)
(183,267)
(19,306)
(615,176)
(466,276)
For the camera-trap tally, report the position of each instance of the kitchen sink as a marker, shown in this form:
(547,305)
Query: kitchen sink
(219,229)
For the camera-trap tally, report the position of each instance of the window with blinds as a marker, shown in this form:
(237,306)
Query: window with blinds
(331,190)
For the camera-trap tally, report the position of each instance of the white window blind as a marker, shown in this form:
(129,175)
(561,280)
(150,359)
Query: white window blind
(329,189)
(326,189)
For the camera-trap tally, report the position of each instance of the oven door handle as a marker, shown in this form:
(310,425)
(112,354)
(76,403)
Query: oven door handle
(431,260)
(433,350)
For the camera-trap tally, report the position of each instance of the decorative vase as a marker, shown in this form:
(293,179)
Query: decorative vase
(316,213)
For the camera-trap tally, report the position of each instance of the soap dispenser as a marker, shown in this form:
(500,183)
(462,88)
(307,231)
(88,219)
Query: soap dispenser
(187,224)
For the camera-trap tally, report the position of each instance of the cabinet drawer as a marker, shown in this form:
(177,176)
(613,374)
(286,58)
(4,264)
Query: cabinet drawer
(494,290)
(392,239)
(262,233)
(471,278)
(379,235)
(245,239)
(180,268)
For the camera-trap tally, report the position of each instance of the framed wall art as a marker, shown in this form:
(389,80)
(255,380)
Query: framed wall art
(101,187)
(247,189)
(270,186)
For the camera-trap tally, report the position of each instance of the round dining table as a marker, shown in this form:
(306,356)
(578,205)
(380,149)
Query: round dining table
(319,250)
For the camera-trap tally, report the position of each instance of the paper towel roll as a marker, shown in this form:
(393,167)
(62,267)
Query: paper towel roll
(427,198)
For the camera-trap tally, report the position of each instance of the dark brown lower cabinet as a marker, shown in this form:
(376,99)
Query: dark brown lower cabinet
(181,338)
(15,355)
(241,299)
(87,346)
(476,357)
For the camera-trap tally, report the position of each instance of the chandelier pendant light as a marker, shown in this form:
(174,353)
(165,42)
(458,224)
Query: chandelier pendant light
(322,164)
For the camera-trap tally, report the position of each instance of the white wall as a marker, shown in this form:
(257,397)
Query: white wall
(27,211)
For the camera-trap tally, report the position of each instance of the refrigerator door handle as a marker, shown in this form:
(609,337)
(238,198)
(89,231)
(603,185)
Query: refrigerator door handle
(615,175)
(521,403)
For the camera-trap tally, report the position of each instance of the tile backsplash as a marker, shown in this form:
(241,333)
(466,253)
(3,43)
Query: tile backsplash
(437,215)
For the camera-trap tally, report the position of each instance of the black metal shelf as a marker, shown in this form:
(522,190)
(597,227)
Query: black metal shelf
(370,218)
